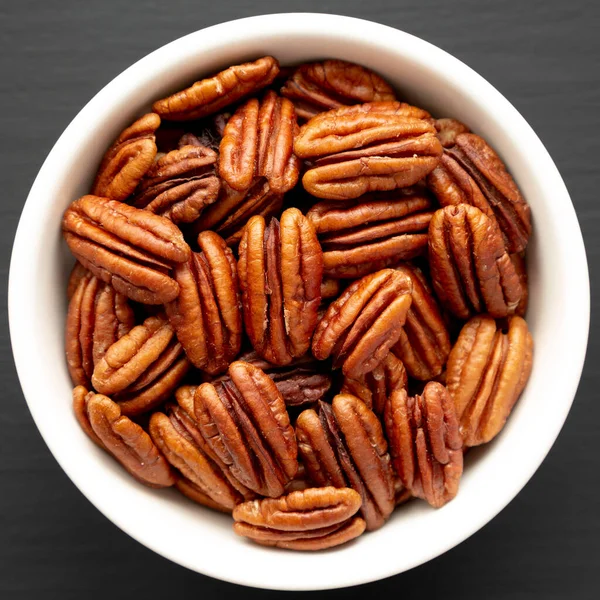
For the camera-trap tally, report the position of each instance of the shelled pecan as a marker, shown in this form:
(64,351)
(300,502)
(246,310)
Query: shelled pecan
(518,262)
(78,272)
(190,490)
(448,129)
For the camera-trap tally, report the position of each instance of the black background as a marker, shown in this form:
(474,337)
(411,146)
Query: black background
(544,56)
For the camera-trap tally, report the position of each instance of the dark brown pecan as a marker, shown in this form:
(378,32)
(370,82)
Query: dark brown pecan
(372,232)
(180,184)
(471,172)
(78,272)
(424,343)
(361,326)
(207,314)
(320,86)
(343,445)
(311,519)
(470,269)
(518,262)
(209,96)
(425,443)
(190,490)
(97,317)
(128,159)
(366,148)
(375,387)
(280,269)
(258,142)
(487,371)
(448,129)
(131,249)
(245,423)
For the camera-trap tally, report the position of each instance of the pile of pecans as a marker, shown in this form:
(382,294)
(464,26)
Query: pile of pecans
(305,357)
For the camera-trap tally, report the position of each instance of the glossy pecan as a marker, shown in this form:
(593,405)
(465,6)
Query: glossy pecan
(258,142)
(372,232)
(448,129)
(131,249)
(487,371)
(180,184)
(190,490)
(425,443)
(424,343)
(97,317)
(280,268)
(128,159)
(245,423)
(470,269)
(366,148)
(207,313)
(471,172)
(343,445)
(208,96)
(360,327)
(311,519)
(320,86)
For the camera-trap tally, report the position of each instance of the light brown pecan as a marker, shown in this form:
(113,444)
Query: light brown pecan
(280,269)
(311,519)
(361,326)
(471,172)
(470,269)
(320,86)
(448,129)
(209,96)
(425,443)
(190,490)
(78,272)
(97,317)
(207,314)
(180,184)
(366,148)
(258,142)
(128,159)
(424,343)
(372,232)
(343,445)
(129,248)
(245,423)
(487,371)
(518,261)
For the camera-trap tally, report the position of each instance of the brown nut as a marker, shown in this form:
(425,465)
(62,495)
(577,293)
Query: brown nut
(343,445)
(80,398)
(520,266)
(470,269)
(190,490)
(210,95)
(245,423)
(330,288)
(311,519)
(97,317)
(366,148)
(207,313)
(448,129)
(487,371)
(78,272)
(129,248)
(280,269)
(128,159)
(372,232)
(360,327)
(425,443)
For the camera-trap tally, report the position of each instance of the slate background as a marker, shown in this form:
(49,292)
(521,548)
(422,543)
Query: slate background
(543,55)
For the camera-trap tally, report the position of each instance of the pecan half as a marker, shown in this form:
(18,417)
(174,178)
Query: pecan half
(366,148)
(470,269)
(190,490)
(207,313)
(425,443)
(97,317)
(343,445)
(448,129)
(311,519)
(210,95)
(80,398)
(78,272)
(487,371)
(372,232)
(320,86)
(280,269)
(424,343)
(360,327)
(128,159)
(131,249)
(258,142)
(518,262)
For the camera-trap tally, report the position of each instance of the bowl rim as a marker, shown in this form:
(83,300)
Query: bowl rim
(294,23)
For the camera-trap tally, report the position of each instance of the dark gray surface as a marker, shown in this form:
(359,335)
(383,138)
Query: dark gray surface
(543,55)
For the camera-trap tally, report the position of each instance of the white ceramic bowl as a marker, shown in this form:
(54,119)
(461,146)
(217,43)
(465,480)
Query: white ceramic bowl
(558,312)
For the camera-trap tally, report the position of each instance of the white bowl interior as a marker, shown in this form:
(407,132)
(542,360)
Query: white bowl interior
(558,314)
